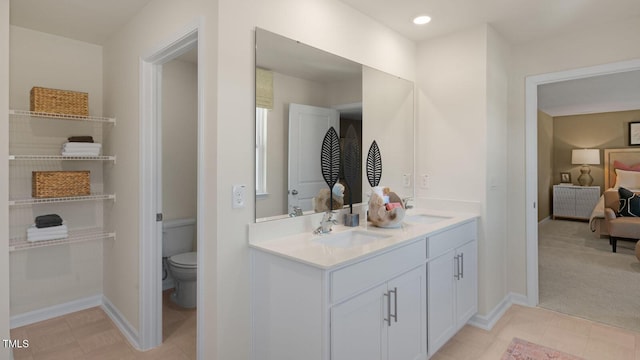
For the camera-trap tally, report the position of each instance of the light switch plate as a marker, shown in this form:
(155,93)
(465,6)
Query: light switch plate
(238,196)
(406,180)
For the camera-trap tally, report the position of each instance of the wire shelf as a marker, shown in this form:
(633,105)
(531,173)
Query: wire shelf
(61,157)
(75,236)
(33,201)
(33,114)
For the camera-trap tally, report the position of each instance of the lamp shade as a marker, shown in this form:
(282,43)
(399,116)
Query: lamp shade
(585,156)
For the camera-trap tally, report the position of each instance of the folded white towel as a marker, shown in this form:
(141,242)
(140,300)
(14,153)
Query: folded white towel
(52,230)
(33,238)
(80,153)
(81,145)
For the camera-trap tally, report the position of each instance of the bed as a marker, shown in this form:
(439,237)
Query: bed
(627,160)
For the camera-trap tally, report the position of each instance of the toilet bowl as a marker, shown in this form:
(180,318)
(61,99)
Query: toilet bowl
(178,237)
(183,268)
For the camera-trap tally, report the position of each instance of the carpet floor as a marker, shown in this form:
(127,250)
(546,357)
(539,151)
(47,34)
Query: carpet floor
(580,276)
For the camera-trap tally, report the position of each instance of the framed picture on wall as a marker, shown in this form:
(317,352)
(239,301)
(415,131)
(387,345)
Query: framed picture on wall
(565,178)
(634,133)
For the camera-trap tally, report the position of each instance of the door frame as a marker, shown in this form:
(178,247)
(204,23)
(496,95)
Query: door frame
(531,156)
(150,277)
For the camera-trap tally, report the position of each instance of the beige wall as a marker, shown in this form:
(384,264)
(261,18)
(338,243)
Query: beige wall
(179,139)
(545,165)
(4,180)
(54,275)
(594,131)
(600,44)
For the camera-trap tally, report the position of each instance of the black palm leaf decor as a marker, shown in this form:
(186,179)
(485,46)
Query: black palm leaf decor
(330,160)
(374,165)
(351,162)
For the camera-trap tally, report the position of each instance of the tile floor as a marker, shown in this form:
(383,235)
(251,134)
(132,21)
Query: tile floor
(576,336)
(90,334)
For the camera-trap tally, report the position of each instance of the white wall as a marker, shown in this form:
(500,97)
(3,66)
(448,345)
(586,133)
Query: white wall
(179,139)
(334,27)
(54,275)
(150,30)
(601,44)
(286,89)
(4,180)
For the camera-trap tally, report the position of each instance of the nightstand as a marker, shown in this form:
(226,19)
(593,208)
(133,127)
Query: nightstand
(575,202)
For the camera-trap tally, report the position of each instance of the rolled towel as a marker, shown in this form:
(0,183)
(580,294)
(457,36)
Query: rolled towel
(45,221)
(82,139)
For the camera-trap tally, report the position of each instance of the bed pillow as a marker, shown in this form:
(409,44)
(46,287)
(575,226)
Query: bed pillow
(618,165)
(627,179)
(629,203)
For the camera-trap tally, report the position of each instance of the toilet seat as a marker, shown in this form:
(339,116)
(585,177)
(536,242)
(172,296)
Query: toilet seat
(185,260)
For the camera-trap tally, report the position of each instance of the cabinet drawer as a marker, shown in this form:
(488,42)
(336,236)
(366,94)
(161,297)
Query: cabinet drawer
(440,243)
(351,279)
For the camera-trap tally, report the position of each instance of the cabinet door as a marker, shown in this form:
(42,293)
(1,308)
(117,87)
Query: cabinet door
(467,284)
(564,201)
(407,332)
(357,328)
(441,301)
(586,199)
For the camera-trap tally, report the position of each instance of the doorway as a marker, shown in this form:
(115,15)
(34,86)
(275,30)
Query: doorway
(531,161)
(151,165)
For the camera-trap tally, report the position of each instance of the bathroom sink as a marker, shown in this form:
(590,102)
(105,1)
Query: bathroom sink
(348,239)
(425,219)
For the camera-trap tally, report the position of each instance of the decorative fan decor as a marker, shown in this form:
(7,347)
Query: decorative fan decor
(351,162)
(330,160)
(374,165)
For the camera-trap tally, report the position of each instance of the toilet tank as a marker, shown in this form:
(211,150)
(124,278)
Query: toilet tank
(178,236)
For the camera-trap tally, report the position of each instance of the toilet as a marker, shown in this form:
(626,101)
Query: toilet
(177,247)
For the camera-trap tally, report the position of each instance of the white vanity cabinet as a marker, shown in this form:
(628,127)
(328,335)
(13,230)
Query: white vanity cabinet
(371,309)
(452,282)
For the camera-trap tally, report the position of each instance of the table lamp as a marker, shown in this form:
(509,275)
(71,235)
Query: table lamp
(585,157)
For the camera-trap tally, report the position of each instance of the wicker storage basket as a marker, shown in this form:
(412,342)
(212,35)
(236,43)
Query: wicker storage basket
(59,101)
(49,184)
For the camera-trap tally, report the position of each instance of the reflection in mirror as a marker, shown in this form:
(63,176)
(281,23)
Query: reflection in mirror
(301,92)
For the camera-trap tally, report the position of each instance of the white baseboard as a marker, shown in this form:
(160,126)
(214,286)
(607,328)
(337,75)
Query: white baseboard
(121,322)
(487,322)
(544,220)
(55,311)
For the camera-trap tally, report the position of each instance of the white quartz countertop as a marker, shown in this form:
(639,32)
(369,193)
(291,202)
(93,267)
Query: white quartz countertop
(304,247)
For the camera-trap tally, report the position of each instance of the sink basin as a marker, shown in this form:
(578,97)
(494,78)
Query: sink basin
(348,239)
(425,219)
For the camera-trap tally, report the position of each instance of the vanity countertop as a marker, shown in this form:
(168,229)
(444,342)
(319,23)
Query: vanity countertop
(304,247)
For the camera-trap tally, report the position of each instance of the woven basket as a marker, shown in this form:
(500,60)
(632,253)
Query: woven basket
(49,184)
(55,101)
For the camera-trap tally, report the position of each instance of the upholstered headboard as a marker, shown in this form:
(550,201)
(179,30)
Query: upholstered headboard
(627,156)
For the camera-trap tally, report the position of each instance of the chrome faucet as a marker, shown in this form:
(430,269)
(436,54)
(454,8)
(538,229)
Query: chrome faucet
(325,224)
(405,202)
(296,211)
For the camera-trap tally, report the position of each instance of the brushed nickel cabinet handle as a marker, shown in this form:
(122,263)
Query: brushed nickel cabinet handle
(395,304)
(388,319)
(462,265)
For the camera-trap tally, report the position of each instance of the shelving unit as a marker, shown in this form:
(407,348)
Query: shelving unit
(33,114)
(75,236)
(60,157)
(26,140)
(34,201)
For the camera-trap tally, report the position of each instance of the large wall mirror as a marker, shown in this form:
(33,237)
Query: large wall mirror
(301,91)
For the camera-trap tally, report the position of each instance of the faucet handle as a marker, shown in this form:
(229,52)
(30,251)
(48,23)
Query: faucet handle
(405,202)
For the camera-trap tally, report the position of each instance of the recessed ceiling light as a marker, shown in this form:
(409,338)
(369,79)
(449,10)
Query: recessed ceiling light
(421,20)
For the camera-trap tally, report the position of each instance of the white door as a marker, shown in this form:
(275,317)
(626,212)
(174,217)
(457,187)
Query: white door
(358,331)
(307,127)
(467,285)
(408,330)
(441,301)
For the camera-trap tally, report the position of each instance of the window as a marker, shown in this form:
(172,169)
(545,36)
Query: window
(261,151)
